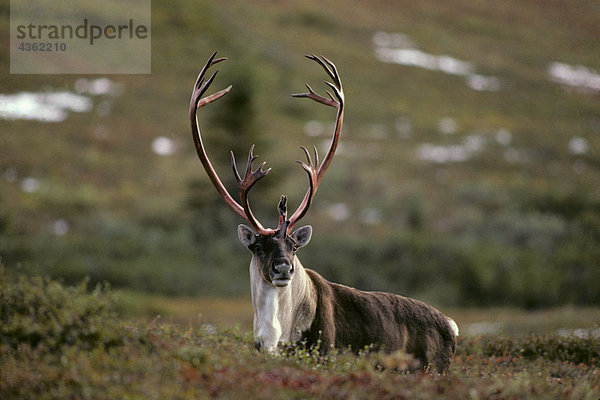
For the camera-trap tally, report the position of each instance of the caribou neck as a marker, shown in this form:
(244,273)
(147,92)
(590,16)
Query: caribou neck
(281,314)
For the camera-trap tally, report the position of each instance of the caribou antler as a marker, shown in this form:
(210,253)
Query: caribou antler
(250,178)
(244,186)
(313,169)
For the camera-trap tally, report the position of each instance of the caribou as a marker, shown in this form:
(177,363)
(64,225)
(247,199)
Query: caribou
(296,304)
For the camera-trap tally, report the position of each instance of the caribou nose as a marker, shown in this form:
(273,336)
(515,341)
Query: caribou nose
(282,268)
(281,273)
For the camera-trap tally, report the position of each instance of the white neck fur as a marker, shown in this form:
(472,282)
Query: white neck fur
(281,314)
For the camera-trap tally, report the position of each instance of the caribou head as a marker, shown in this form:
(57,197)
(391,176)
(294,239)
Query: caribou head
(275,255)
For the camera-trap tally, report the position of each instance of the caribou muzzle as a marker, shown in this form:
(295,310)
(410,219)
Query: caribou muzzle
(281,273)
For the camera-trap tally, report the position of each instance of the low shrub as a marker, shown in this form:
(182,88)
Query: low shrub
(41,312)
(65,342)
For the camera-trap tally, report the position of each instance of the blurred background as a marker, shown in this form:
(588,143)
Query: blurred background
(468,172)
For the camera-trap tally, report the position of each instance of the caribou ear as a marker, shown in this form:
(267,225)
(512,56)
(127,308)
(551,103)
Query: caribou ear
(302,235)
(246,235)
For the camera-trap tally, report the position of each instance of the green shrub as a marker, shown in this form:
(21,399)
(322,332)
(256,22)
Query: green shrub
(42,312)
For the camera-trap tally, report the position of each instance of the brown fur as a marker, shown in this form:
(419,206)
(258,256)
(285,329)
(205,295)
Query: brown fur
(334,315)
(347,317)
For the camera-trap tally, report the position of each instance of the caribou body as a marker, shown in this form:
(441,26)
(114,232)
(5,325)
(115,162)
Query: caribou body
(293,303)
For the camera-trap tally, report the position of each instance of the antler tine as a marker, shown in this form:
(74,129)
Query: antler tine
(200,87)
(314,170)
(249,175)
(331,70)
(250,178)
(245,184)
(311,167)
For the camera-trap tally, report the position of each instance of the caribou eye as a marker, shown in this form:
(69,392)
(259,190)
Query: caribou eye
(257,249)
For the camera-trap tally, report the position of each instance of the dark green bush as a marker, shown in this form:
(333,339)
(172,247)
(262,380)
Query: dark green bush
(42,312)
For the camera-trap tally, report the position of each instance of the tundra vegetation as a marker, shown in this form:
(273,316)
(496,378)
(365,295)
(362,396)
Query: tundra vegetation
(62,341)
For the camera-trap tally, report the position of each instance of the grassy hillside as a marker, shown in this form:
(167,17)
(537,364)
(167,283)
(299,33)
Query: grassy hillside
(470,152)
